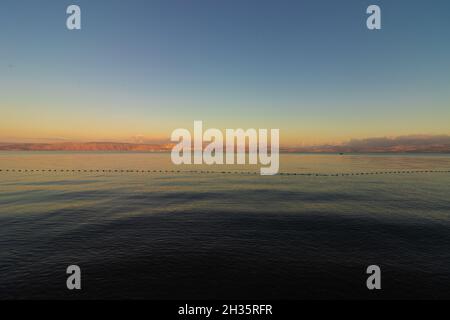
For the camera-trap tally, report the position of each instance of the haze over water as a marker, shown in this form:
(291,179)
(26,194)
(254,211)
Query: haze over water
(191,235)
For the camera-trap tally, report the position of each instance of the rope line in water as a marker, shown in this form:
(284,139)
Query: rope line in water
(219,172)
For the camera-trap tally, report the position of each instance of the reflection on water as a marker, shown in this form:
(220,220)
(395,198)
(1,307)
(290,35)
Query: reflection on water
(302,163)
(187,236)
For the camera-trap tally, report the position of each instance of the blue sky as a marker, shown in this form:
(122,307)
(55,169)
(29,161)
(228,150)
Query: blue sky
(310,68)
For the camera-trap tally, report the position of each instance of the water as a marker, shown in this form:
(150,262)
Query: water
(170,235)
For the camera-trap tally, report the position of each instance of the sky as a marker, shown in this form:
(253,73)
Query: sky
(139,69)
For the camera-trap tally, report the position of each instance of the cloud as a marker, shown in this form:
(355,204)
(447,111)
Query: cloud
(410,140)
(409,143)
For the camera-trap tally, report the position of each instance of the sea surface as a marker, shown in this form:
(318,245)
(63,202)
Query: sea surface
(141,228)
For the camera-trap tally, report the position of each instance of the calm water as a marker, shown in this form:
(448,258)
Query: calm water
(192,235)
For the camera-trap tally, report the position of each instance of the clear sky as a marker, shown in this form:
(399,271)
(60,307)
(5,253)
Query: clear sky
(144,68)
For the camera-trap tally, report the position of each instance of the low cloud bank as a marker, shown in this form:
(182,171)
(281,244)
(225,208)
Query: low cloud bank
(411,143)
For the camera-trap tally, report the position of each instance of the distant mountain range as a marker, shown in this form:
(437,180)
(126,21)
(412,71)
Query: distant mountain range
(420,144)
(85,146)
(393,149)
(411,143)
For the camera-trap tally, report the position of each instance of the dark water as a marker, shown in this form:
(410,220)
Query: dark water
(222,236)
